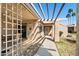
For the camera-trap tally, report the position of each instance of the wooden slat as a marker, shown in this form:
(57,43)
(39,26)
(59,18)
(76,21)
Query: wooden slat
(47,11)
(34,10)
(41,10)
(28,10)
(59,12)
(0,29)
(53,11)
(6,30)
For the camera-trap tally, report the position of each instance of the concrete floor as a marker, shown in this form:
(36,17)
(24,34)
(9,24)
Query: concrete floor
(48,48)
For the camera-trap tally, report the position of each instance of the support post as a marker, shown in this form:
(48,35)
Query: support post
(0,29)
(77,40)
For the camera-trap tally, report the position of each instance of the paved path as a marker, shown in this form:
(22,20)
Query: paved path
(48,48)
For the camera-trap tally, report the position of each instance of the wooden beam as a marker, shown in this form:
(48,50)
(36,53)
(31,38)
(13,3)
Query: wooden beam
(53,11)
(6,31)
(77,40)
(41,10)
(59,12)
(47,11)
(32,7)
(28,9)
(0,29)
(12,31)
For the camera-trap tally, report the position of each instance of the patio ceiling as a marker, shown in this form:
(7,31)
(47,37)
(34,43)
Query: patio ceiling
(43,16)
(28,14)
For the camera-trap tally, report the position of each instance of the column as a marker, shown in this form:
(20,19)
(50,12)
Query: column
(0,29)
(77,40)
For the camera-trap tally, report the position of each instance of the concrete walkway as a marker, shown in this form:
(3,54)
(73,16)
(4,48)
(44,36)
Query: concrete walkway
(48,48)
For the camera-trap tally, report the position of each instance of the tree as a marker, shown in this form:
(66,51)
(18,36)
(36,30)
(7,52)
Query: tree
(73,14)
(70,11)
(68,16)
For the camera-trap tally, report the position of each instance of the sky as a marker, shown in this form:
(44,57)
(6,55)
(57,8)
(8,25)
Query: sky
(62,14)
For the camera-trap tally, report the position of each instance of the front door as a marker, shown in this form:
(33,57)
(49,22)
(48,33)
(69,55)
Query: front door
(24,31)
(47,29)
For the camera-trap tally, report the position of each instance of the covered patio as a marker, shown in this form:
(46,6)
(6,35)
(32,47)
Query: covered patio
(30,33)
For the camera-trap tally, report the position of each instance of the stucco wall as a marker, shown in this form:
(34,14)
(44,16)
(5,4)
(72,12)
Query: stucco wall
(30,27)
(58,28)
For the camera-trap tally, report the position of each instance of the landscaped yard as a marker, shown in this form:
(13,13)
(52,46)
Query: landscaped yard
(66,48)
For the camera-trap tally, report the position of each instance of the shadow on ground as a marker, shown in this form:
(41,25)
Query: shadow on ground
(44,51)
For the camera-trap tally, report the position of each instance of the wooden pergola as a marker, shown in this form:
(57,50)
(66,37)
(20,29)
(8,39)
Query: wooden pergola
(53,12)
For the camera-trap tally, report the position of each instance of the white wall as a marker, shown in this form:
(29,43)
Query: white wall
(58,28)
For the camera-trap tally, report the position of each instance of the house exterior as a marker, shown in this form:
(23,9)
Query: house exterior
(58,28)
(20,28)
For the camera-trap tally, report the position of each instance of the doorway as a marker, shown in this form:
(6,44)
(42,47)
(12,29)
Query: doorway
(47,29)
(24,31)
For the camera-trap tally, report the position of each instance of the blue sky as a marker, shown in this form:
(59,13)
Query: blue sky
(63,13)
